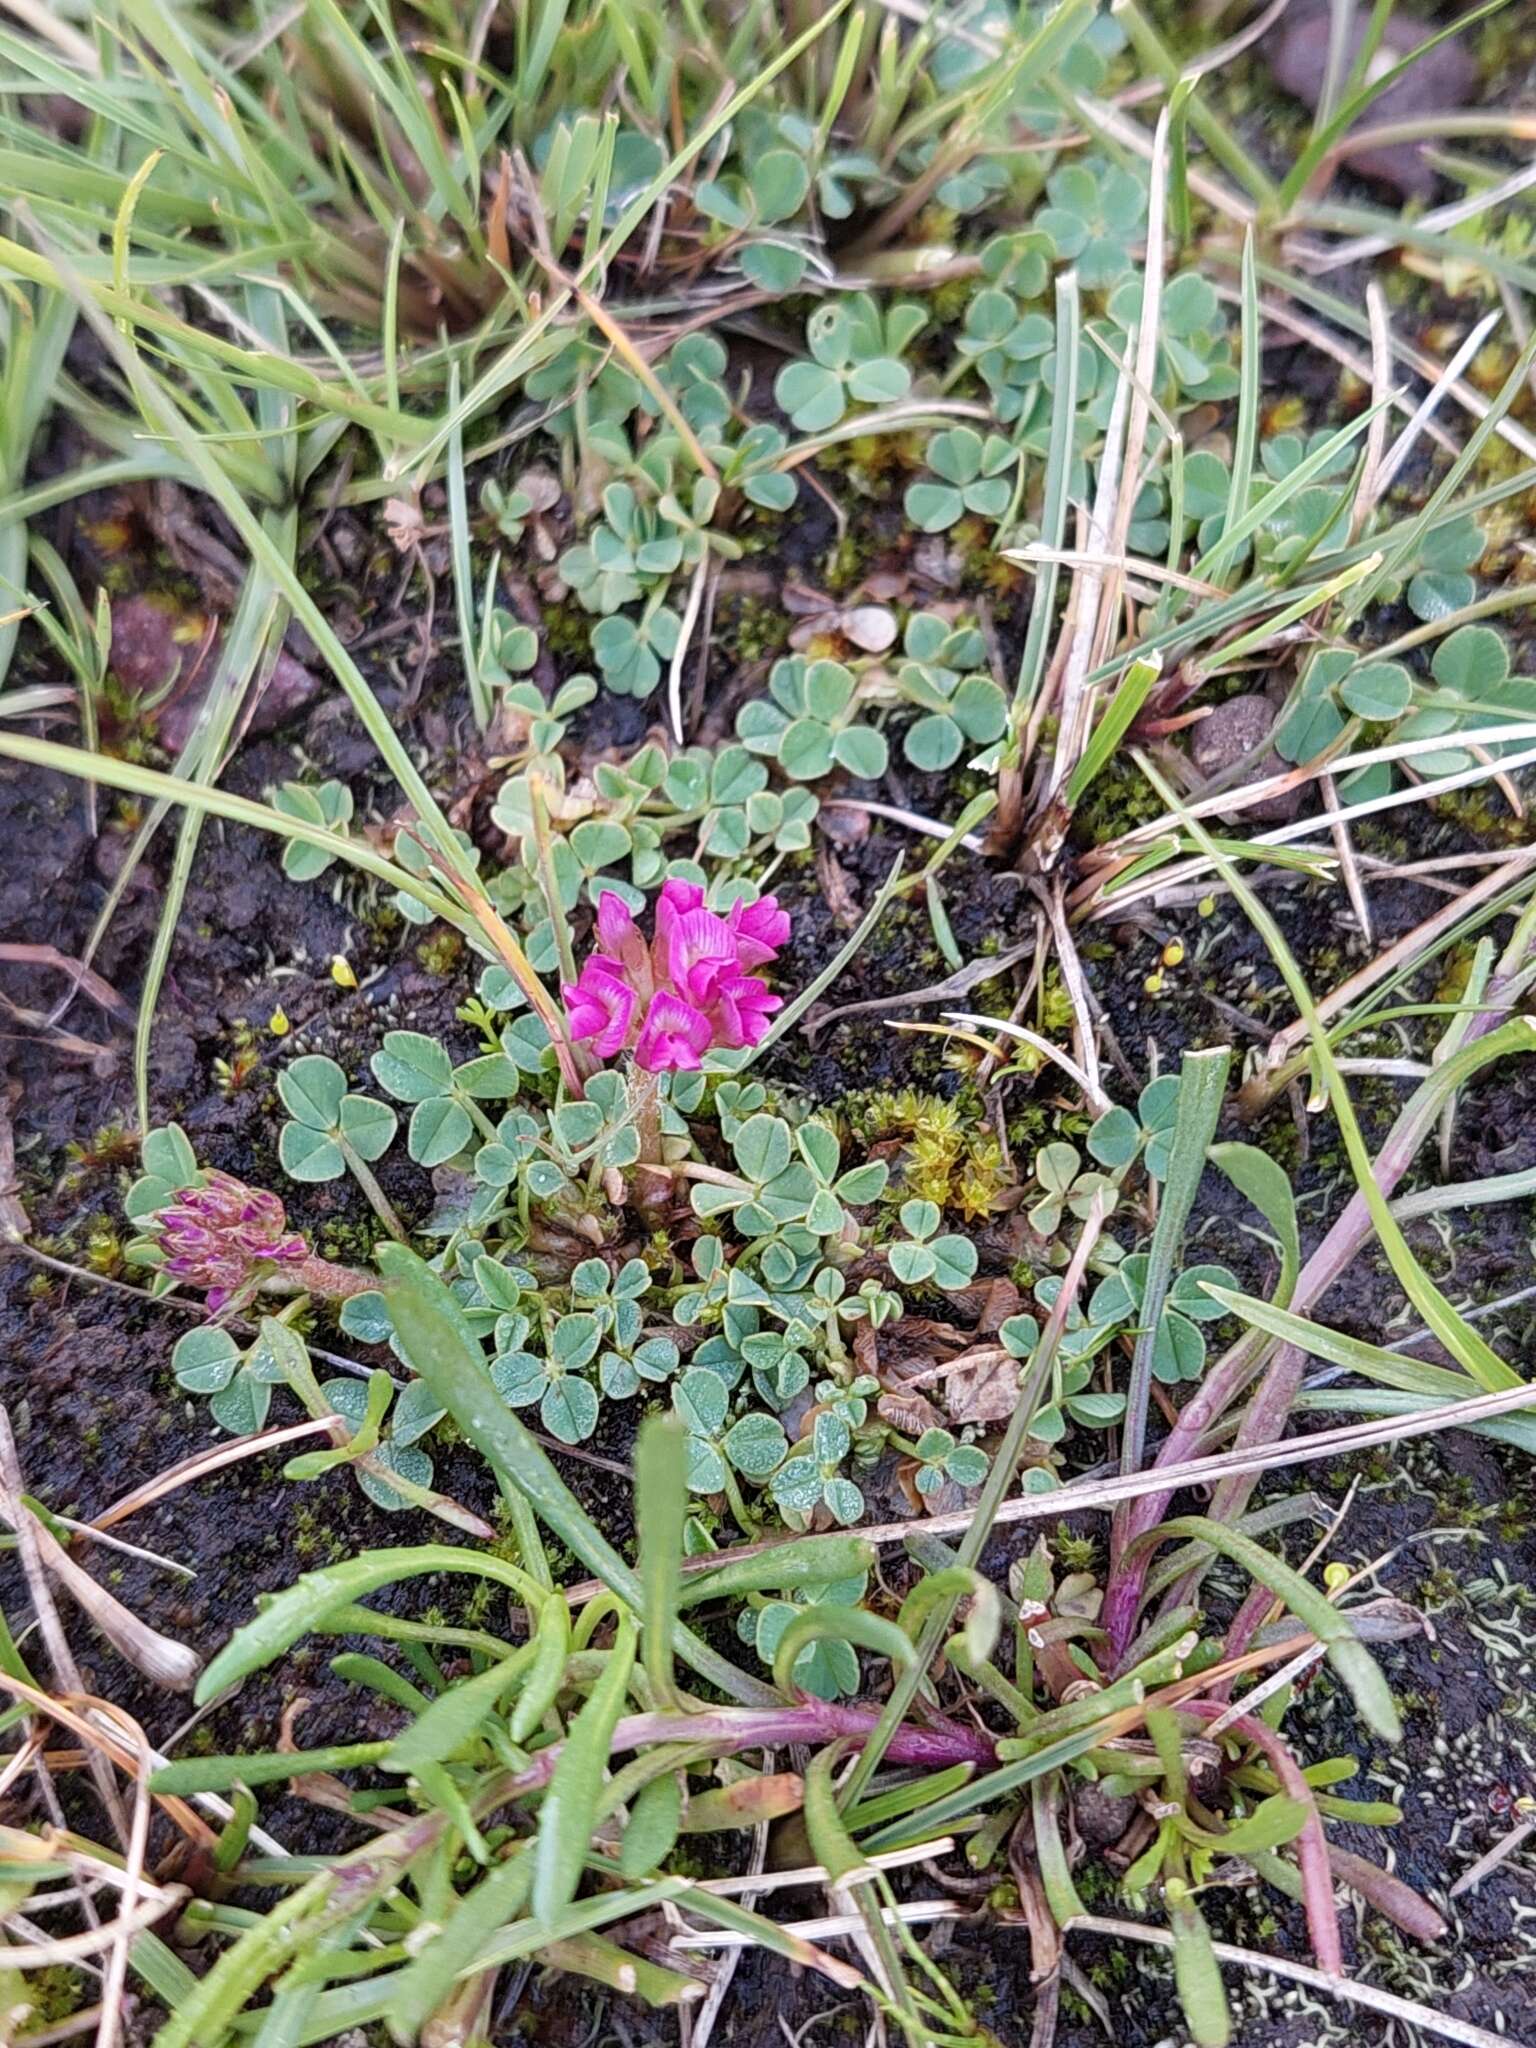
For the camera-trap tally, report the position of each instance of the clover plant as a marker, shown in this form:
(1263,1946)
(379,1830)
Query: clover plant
(445,1100)
(940,675)
(926,1257)
(320,803)
(331,1130)
(1094,217)
(975,475)
(809,723)
(856,349)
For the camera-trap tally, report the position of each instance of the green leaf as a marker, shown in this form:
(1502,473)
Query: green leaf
(166,1154)
(756,1446)
(1114,1138)
(569,1409)
(574,1340)
(819,1143)
(701,1399)
(912,1264)
(1348,1655)
(933,743)
(779,182)
(242,1406)
(1200,1088)
(311,1090)
(811,394)
(954,1260)
(1379,690)
(309,1155)
(368,1126)
(440,1128)
(454,1718)
(1473,661)
(1268,1186)
(491,1078)
(842,1624)
(883,381)
(862,751)
(933,507)
(661,1505)
(762,1148)
(655,1819)
(204,1361)
(411,1067)
(417,1992)
(772,267)
(862,1184)
(303,1606)
(574,1798)
(1178,1349)
(805,750)
(1196,1974)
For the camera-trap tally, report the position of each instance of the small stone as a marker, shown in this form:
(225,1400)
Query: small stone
(1442,81)
(1237,731)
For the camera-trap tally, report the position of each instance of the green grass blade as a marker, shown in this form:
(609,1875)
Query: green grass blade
(570,1809)
(1347,1654)
(661,1508)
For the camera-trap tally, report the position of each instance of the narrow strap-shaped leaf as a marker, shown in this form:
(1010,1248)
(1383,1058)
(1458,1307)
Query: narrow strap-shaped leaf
(1195,1971)
(443,1728)
(1387,1368)
(1265,1183)
(661,1506)
(497,1899)
(1347,1654)
(293,1612)
(551,1649)
(839,1624)
(571,1804)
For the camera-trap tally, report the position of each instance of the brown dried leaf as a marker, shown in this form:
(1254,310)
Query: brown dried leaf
(982,1385)
(908,1411)
(836,887)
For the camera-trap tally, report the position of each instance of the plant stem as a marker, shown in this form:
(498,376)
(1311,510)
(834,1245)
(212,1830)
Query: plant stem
(377,1199)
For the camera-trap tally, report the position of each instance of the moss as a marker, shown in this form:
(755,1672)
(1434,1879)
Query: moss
(1118,798)
(848,562)
(755,630)
(952,1155)
(53,1994)
(568,632)
(103,1251)
(441,952)
(1482,812)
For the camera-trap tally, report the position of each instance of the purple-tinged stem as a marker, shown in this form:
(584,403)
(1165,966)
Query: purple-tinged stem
(814,1721)
(1311,1843)
(1234,1371)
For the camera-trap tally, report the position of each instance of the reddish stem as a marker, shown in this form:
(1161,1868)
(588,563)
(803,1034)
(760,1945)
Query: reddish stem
(1233,1373)
(1311,1843)
(813,1721)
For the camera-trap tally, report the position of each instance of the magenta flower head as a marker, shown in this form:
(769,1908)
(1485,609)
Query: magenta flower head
(689,988)
(226,1237)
